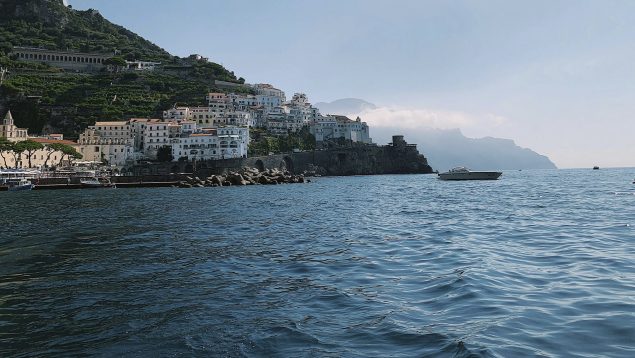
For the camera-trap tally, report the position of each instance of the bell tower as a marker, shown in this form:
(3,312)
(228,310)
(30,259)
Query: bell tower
(8,119)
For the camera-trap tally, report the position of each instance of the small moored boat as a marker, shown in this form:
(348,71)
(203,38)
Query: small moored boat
(19,185)
(462,173)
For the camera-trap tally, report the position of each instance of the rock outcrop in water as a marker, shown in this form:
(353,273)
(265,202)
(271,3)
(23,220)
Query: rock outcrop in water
(246,176)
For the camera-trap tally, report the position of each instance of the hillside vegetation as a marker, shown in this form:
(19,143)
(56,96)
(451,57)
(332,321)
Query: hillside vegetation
(49,24)
(44,98)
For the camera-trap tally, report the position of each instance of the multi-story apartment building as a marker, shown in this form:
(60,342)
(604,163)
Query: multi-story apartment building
(97,149)
(113,130)
(269,94)
(211,144)
(156,136)
(332,127)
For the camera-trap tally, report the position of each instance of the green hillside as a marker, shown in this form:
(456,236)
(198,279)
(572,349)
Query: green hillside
(49,24)
(46,98)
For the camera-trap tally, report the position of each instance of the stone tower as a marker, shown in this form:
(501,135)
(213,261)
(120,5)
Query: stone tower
(398,141)
(8,119)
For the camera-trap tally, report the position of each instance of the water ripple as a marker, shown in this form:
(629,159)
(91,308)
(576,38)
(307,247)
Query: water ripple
(539,263)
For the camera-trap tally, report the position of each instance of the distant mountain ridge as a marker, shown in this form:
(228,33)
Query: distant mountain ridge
(448,148)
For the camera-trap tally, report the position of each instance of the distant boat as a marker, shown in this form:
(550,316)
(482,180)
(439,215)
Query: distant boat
(596,167)
(462,173)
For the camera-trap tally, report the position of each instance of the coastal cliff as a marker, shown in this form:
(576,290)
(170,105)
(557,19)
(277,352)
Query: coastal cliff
(397,157)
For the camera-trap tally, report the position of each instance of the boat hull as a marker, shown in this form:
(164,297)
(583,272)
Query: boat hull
(96,183)
(25,187)
(470,176)
(97,186)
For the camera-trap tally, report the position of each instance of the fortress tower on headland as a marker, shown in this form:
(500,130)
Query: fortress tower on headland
(398,141)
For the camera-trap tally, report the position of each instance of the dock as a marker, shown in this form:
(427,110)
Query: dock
(154,184)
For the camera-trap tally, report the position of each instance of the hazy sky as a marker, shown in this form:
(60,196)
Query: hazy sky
(556,76)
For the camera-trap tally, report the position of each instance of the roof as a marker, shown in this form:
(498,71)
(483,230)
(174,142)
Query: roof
(144,120)
(51,141)
(8,115)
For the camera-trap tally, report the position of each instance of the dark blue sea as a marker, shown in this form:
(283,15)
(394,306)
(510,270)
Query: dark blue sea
(536,264)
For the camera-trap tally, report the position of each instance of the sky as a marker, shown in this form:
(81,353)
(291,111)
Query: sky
(555,76)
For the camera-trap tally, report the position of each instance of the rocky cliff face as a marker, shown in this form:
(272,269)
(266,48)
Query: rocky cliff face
(358,160)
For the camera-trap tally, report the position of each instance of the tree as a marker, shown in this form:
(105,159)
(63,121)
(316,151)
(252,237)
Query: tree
(50,149)
(70,153)
(164,154)
(116,62)
(5,146)
(75,156)
(18,149)
(30,147)
(307,140)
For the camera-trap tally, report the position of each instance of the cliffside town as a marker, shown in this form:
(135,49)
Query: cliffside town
(114,104)
(220,130)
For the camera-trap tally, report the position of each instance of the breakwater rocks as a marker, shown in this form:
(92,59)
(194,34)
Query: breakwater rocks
(398,157)
(247,176)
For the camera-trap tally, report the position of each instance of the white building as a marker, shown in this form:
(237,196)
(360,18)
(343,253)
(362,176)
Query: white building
(107,151)
(233,142)
(267,90)
(196,146)
(110,143)
(216,97)
(211,144)
(242,102)
(139,126)
(10,131)
(142,65)
(178,128)
(269,101)
(114,130)
(156,136)
(332,127)
(177,113)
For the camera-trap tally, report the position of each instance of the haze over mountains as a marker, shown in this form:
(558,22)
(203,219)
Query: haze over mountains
(444,147)
(345,106)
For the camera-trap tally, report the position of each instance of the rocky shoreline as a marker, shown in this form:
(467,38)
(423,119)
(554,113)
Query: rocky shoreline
(246,176)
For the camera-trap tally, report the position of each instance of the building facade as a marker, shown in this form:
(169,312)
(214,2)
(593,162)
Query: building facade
(74,61)
(333,127)
(10,131)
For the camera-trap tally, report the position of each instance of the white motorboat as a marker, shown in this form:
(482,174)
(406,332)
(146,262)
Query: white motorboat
(462,173)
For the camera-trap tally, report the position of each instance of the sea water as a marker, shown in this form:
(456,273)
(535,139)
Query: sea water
(538,263)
